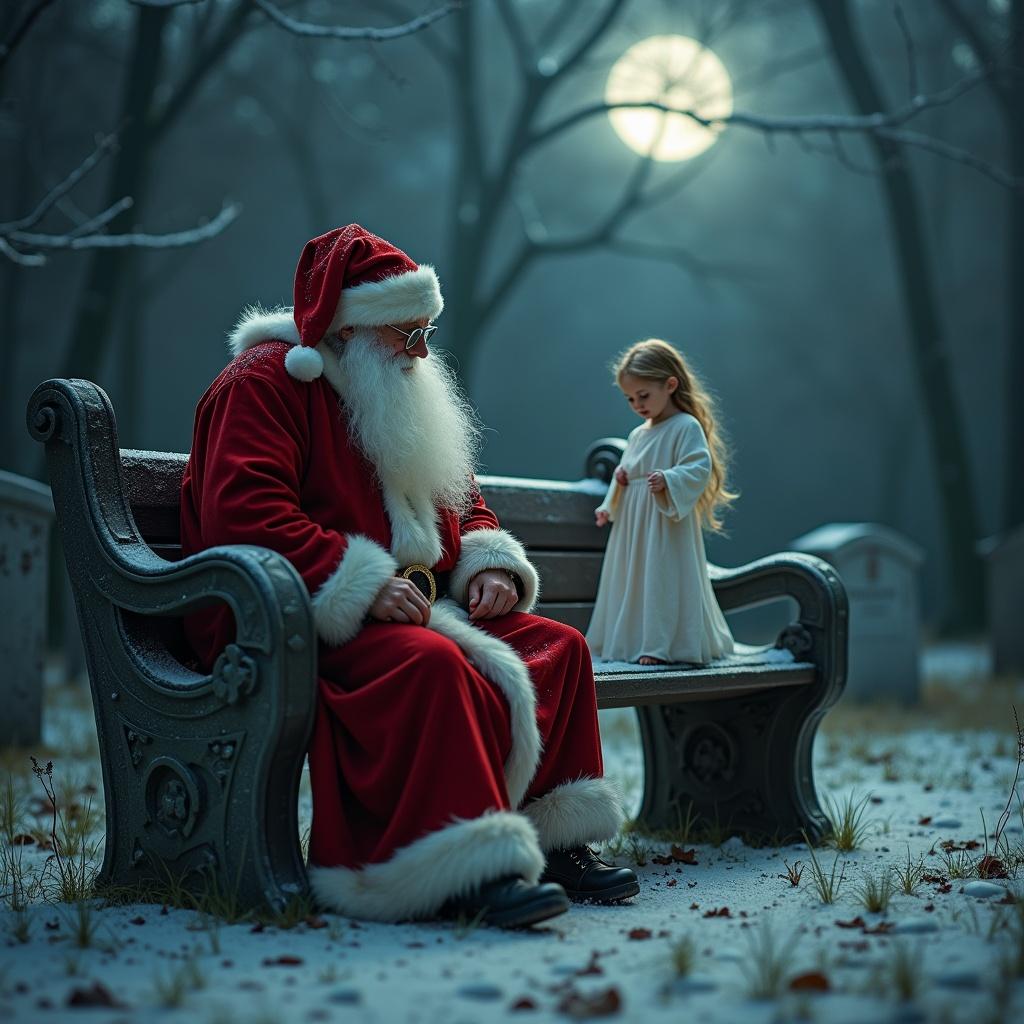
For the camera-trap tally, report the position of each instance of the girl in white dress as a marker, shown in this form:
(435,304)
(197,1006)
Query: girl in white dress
(654,602)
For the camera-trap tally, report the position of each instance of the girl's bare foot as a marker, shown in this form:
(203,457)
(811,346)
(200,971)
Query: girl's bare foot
(648,660)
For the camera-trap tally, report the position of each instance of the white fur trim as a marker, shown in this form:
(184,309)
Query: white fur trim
(421,877)
(494,549)
(304,363)
(500,664)
(399,299)
(341,604)
(574,813)
(257,325)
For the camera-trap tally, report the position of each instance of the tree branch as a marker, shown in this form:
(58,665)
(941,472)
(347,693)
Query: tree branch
(376,35)
(520,44)
(597,30)
(809,123)
(908,39)
(133,240)
(21,30)
(103,147)
(983,50)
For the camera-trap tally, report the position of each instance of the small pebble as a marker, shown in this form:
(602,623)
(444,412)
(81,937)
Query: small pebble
(983,890)
(915,926)
(346,997)
(482,991)
(693,986)
(960,979)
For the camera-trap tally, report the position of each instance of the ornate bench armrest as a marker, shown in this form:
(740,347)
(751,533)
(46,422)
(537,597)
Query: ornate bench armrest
(200,772)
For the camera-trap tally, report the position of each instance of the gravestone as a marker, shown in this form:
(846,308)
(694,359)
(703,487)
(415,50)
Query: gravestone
(1004,577)
(880,569)
(26,512)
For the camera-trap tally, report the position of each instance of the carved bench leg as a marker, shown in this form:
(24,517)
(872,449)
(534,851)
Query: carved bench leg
(742,764)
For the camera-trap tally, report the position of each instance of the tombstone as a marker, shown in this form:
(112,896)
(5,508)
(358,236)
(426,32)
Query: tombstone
(880,569)
(1004,579)
(26,512)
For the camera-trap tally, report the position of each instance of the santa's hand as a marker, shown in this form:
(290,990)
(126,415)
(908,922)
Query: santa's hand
(400,600)
(621,477)
(491,593)
(601,517)
(656,483)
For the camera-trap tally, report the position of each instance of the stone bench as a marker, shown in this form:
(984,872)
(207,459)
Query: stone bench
(201,772)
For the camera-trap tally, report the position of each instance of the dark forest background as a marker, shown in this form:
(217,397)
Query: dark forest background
(853,297)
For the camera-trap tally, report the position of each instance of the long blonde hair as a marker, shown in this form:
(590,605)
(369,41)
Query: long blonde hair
(658,360)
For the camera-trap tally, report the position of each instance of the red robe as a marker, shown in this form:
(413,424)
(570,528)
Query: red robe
(441,757)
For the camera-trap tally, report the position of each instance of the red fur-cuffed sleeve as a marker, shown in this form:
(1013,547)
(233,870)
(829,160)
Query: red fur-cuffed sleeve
(242,486)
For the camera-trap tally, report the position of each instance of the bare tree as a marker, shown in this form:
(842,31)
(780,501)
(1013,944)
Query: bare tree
(997,43)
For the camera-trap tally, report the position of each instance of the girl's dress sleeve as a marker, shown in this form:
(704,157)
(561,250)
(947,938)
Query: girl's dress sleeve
(611,500)
(686,479)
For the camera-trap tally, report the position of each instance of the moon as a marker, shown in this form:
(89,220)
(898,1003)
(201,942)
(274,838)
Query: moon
(679,72)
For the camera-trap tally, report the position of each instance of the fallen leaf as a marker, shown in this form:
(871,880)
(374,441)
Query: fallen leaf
(96,995)
(660,858)
(721,912)
(593,967)
(812,981)
(671,882)
(22,839)
(857,922)
(882,928)
(593,1004)
(929,908)
(991,867)
(639,933)
(926,820)
(314,921)
(684,856)
(948,887)
(137,920)
(521,1004)
(282,961)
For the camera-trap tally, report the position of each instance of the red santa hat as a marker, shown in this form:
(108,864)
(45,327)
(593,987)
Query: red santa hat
(351,278)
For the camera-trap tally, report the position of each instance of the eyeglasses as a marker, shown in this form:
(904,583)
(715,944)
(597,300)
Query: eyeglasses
(412,338)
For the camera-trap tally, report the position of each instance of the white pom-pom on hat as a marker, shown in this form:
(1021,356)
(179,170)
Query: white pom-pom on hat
(304,363)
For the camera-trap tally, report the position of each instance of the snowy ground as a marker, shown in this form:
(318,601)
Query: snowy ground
(718,934)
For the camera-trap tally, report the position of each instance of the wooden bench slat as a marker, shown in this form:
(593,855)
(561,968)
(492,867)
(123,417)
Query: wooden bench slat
(630,689)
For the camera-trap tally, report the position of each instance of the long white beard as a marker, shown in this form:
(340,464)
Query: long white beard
(414,425)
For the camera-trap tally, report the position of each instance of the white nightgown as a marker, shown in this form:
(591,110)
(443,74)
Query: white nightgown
(655,597)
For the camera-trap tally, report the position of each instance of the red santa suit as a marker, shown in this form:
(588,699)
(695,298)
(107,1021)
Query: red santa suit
(441,757)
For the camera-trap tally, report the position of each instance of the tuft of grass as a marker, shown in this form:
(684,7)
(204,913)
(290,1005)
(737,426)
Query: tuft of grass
(904,971)
(875,893)
(909,874)
(683,953)
(794,872)
(297,910)
(82,924)
(20,926)
(826,884)
(13,878)
(328,975)
(464,925)
(766,962)
(848,822)
(73,866)
(171,991)
(959,864)
(638,850)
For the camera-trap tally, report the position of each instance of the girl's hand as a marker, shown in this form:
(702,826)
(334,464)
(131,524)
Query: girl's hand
(621,478)
(601,517)
(656,482)
(491,593)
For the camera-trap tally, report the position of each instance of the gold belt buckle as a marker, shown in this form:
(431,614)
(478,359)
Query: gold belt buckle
(408,572)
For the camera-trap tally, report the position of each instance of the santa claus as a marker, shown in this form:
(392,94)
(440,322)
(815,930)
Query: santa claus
(455,758)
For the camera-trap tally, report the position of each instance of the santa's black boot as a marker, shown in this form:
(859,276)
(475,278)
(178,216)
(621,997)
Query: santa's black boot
(509,902)
(584,876)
